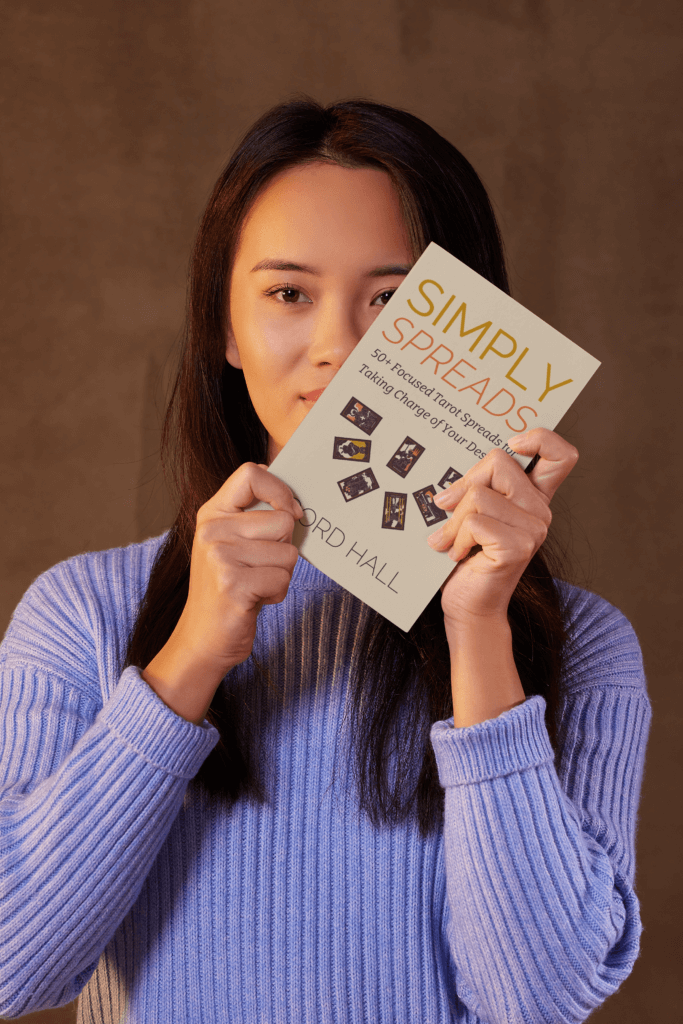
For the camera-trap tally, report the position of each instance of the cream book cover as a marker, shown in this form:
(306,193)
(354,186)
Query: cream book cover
(451,368)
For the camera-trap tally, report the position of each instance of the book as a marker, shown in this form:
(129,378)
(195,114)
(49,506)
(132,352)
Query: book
(451,368)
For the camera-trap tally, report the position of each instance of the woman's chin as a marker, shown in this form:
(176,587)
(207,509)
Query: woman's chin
(275,445)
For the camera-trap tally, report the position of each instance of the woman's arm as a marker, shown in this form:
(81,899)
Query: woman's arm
(501,518)
(89,788)
(484,677)
(241,560)
(544,919)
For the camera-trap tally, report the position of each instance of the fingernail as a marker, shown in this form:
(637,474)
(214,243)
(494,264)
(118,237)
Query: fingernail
(516,439)
(435,538)
(443,499)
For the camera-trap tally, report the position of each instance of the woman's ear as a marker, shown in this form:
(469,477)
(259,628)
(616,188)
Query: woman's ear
(231,351)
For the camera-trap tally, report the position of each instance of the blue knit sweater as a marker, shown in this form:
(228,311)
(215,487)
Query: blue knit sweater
(123,884)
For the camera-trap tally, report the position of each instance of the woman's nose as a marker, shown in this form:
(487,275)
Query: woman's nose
(334,336)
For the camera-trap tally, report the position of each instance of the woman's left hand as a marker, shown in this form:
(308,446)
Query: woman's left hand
(506,511)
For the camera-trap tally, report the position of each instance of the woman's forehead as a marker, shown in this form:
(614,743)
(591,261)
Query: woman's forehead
(323,208)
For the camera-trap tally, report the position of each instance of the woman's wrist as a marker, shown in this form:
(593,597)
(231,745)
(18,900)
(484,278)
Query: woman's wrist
(484,678)
(185,684)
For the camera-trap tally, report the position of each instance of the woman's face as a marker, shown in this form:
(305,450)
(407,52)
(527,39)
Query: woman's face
(320,252)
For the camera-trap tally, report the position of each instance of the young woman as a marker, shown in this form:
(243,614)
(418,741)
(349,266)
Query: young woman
(232,792)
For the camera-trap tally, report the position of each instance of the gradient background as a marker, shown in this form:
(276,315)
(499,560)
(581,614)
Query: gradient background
(118,117)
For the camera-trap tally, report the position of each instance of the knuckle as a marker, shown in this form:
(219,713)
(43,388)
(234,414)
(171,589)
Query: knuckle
(280,579)
(200,529)
(205,533)
(469,521)
(226,574)
(283,521)
(529,547)
(293,553)
(203,515)
(450,534)
(243,472)
(497,456)
(248,472)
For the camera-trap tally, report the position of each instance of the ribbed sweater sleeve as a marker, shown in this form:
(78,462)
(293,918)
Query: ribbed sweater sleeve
(539,859)
(89,787)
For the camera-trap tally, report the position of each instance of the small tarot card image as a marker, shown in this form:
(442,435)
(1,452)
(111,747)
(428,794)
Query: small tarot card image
(405,456)
(358,484)
(394,511)
(357,449)
(449,477)
(431,513)
(361,416)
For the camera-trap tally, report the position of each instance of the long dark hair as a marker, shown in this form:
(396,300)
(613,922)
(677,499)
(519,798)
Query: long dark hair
(211,428)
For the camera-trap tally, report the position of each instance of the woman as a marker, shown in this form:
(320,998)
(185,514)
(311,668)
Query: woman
(283,808)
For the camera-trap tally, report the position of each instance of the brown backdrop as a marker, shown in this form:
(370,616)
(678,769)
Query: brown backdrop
(118,117)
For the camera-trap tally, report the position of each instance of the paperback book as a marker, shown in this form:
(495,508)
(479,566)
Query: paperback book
(451,368)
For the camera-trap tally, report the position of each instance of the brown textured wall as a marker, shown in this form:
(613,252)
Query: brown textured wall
(117,117)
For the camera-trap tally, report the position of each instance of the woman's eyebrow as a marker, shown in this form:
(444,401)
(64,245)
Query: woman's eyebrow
(389,270)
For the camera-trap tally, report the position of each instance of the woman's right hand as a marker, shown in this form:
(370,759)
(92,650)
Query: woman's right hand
(241,560)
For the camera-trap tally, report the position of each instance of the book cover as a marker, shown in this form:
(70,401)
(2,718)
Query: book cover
(451,368)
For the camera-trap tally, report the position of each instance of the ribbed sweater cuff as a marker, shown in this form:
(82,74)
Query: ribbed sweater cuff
(141,719)
(516,740)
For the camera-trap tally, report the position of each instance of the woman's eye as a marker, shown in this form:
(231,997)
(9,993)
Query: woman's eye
(384,295)
(291,295)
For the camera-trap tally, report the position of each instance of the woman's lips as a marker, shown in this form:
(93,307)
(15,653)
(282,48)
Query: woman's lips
(313,396)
